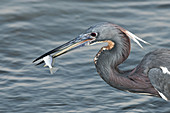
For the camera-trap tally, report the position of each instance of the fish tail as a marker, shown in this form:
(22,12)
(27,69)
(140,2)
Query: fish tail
(53,70)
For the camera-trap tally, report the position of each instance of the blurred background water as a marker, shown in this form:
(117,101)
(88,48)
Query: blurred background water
(29,28)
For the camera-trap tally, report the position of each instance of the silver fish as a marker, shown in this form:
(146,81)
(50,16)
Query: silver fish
(49,61)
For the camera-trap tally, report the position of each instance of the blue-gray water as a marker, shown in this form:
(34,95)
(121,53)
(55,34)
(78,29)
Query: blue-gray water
(29,28)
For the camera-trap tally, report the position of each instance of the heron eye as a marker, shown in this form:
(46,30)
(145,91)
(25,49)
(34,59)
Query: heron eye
(93,34)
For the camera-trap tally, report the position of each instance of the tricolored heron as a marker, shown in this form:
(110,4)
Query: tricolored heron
(151,76)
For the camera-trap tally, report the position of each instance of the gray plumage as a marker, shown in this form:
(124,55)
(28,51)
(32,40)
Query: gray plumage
(143,78)
(160,80)
(151,76)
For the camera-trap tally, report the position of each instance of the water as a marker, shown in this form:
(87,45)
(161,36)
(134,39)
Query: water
(30,28)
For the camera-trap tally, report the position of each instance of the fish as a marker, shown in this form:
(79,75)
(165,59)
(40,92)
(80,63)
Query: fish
(49,61)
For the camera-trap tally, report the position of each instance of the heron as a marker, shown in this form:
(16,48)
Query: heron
(151,76)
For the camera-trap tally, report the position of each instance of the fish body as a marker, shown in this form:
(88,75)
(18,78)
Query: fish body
(49,61)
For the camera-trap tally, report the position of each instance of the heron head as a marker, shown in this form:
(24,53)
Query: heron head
(99,33)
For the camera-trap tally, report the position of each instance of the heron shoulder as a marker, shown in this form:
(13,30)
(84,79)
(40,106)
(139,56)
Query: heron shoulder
(155,59)
(160,79)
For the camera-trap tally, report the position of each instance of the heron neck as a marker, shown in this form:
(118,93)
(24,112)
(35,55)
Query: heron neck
(131,80)
(108,61)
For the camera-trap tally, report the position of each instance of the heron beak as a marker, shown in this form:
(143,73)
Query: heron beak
(81,40)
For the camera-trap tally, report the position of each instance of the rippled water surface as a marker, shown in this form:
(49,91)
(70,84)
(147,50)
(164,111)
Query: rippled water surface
(29,28)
